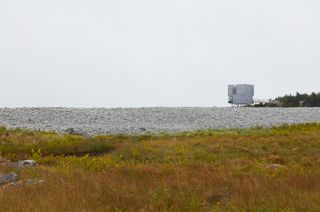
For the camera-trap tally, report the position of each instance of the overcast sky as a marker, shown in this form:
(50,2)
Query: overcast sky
(125,53)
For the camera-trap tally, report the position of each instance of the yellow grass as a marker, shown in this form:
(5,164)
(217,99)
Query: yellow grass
(226,170)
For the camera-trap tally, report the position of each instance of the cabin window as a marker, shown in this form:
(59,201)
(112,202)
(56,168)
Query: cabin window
(234,90)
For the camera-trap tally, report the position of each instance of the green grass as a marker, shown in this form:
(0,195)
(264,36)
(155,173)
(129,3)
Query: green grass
(21,143)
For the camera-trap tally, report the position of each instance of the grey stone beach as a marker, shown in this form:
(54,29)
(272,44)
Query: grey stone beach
(94,121)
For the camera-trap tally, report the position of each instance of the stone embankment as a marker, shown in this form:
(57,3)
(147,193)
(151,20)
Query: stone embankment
(94,121)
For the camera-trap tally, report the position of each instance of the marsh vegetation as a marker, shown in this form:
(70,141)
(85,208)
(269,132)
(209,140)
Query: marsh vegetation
(260,169)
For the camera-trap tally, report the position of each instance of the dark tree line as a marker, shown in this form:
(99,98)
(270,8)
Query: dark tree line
(297,100)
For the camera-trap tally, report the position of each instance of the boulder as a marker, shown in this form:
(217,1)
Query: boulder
(23,164)
(143,129)
(276,166)
(8,178)
(72,131)
(27,182)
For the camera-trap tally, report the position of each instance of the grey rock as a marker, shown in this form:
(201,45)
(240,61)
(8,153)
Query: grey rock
(276,166)
(27,182)
(23,164)
(72,131)
(33,181)
(8,178)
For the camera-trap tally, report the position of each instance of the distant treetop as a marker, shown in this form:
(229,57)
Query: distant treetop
(297,100)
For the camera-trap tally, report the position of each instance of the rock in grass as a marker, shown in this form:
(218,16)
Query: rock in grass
(276,166)
(143,129)
(72,131)
(23,164)
(27,182)
(8,178)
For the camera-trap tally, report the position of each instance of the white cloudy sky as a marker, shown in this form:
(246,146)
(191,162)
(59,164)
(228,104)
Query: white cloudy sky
(127,53)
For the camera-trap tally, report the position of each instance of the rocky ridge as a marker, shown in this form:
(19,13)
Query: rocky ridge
(94,121)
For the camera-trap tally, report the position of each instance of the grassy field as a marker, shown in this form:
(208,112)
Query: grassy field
(218,170)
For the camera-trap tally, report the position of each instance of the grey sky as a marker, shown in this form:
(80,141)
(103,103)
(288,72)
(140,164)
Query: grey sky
(129,53)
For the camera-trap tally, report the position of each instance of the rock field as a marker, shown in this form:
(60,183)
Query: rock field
(93,121)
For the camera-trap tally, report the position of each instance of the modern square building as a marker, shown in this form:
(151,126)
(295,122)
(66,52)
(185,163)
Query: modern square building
(241,94)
